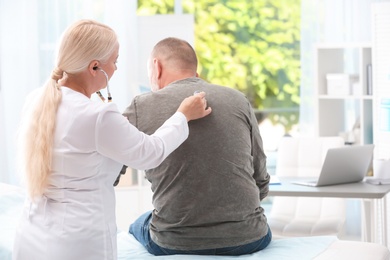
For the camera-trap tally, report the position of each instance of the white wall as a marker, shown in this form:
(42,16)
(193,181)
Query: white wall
(152,29)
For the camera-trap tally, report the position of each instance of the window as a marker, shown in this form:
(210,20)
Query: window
(252,46)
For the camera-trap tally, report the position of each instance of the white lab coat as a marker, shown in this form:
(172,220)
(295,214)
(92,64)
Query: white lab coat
(75,219)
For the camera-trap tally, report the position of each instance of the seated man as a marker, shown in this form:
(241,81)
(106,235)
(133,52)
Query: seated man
(207,193)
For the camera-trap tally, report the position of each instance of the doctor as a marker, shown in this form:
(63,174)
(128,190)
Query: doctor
(72,149)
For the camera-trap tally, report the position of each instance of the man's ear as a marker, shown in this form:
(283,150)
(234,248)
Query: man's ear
(158,68)
(197,75)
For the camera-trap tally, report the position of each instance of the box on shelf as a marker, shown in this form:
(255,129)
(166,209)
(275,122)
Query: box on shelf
(340,84)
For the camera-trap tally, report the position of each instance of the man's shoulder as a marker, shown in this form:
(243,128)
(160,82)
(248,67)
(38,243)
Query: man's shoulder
(143,96)
(229,90)
(148,100)
(178,90)
(226,93)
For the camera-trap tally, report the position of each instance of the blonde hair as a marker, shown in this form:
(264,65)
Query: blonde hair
(82,43)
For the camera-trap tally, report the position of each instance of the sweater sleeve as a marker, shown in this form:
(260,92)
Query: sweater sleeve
(259,158)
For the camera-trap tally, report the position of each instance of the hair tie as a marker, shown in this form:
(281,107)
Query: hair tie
(57,74)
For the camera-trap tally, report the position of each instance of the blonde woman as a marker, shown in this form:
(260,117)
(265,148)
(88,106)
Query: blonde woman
(72,149)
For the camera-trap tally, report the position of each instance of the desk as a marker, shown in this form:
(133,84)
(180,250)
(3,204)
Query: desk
(373,198)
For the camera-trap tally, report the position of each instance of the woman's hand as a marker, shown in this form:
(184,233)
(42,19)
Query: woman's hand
(194,107)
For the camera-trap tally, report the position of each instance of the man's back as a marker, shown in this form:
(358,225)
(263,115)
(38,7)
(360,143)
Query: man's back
(205,192)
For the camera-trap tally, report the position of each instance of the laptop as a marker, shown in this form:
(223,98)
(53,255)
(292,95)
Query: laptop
(345,164)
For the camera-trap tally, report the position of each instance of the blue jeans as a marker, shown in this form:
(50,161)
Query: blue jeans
(140,230)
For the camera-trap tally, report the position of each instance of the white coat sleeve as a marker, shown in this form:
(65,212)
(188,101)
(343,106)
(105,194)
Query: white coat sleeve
(119,140)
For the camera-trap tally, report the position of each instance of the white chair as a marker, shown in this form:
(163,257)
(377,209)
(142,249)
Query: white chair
(301,216)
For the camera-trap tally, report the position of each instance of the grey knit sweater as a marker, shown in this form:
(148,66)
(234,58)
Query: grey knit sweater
(207,193)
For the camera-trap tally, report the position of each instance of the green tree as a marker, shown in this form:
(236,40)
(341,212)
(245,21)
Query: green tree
(252,46)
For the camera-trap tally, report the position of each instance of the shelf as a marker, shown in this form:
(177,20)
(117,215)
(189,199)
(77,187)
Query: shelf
(344,114)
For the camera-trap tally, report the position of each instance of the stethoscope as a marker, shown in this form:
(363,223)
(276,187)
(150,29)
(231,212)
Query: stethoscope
(108,87)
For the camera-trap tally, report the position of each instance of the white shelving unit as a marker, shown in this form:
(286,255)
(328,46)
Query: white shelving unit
(338,114)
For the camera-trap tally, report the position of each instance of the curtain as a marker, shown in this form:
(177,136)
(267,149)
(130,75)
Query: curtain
(29,32)
(19,70)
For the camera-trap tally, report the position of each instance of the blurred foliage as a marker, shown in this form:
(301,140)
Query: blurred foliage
(250,45)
